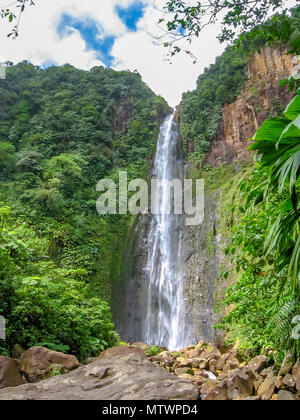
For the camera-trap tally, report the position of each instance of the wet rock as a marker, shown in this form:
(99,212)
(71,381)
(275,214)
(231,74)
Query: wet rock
(286,396)
(267,388)
(10,375)
(121,377)
(258,363)
(36,361)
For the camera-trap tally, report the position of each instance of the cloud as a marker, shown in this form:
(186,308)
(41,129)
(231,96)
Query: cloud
(91,32)
(131,14)
(117,33)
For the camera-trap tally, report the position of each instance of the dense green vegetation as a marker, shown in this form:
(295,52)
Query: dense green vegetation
(261,217)
(201,110)
(61,131)
(266,241)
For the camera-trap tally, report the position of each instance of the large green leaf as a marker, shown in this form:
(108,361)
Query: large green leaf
(270,130)
(292,111)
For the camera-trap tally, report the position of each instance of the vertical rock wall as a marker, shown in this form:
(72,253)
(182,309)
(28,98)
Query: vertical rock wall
(260,98)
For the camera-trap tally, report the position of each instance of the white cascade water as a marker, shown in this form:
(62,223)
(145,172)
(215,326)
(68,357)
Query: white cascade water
(164,324)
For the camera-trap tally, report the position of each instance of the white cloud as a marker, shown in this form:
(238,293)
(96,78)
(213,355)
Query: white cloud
(38,42)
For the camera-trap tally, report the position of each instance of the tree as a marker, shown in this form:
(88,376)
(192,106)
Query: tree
(15,14)
(188,21)
(7,156)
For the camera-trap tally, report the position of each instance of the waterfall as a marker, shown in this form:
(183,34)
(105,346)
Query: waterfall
(164,324)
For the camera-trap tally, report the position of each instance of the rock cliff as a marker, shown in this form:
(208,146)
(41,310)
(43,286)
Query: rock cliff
(261,97)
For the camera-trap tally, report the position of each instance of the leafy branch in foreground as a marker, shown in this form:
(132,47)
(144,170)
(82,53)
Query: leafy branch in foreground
(184,20)
(16,14)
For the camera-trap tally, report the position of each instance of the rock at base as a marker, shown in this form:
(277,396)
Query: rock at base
(127,377)
(10,375)
(35,362)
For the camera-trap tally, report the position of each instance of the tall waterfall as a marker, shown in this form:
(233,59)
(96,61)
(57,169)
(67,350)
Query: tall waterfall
(164,324)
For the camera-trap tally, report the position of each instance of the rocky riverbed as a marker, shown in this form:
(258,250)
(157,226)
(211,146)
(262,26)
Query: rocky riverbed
(133,372)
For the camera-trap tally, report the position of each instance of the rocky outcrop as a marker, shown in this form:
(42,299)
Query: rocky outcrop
(119,377)
(223,375)
(260,98)
(10,374)
(36,361)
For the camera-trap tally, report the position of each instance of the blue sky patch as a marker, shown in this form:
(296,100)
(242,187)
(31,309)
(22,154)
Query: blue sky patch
(91,32)
(131,15)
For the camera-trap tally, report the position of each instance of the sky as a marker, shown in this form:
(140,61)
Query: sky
(120,34)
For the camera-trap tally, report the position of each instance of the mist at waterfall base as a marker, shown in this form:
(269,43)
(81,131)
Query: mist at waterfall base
(151,306)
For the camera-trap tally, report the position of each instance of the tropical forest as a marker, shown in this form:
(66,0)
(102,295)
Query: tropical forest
(150,201)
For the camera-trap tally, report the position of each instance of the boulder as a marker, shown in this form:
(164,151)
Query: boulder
(286,396)
(243,380)
(89,360)
(184,371)
(35,362)
(287,363)
(288,381)
(267,388)
(231,363)
(217,393)
(257,364)
(120,377)
(140,345)
(10,375)
(296,374)
(17,351)
(121,351)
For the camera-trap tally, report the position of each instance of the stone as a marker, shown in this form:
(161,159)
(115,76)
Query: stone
(286,396)
(231,363)
(212,365)
(211,353)
(201,344)
(288,381)
(17,351)
(221,363)
(193,353)
(125,377)
(278,382)
(217,393)
(183,362)
(265,372)
(10,375)
(140,345)
(243,380)
(89,360)
(183,371)
(287,363)
(36,361)
(122,351)
(54,370)
(267,388)
(296,374)
(208,385)
(258,363)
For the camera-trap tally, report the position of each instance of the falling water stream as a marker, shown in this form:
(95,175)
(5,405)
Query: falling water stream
(164,324)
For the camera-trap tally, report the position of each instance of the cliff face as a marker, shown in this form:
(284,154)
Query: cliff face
(260,98)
